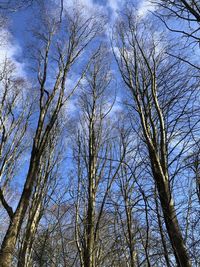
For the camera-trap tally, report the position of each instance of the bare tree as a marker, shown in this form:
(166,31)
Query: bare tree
(84,179)
(187,11)
(95,149)
(140,62)
(79,32)
(188,14)
(47,175)
(14,116)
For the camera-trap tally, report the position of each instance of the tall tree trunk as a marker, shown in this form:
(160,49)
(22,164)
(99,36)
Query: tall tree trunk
(89,253)
(10,239)
(166,254)
(26,248)
(131,241)
(170,216)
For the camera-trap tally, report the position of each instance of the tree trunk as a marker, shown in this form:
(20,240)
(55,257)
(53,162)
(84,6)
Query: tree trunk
(171,220)
(26,248)
(166,254)
(131,241)
(10,239)
(89,253)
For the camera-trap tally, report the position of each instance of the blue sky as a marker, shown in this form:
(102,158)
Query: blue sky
(19,36)
(20,22)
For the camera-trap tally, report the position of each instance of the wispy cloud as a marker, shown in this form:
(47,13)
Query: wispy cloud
(115,6)
(88,5)
(145,7)
(108,6)
(9,49)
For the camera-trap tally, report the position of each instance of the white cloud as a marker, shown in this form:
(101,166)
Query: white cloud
(85,5)
(9,49)
(89,5)
(114,5)
(145,7)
